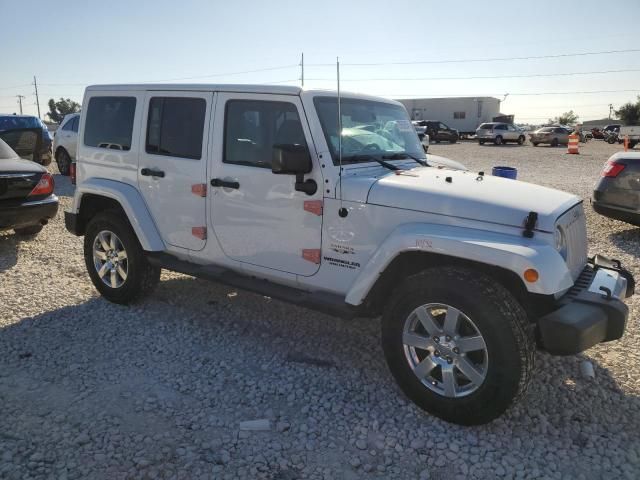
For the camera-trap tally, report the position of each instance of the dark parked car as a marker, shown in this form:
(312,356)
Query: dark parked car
(617,193)
(27,201)
(12,123)
(439,132)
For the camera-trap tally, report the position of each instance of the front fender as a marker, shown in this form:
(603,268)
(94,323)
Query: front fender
(516,254)
(131,202)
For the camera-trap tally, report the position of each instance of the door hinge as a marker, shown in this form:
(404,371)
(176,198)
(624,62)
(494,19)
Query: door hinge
(314,206)
(311,255)
(199,189)
(199,232)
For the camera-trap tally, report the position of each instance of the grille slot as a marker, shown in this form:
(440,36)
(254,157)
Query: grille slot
(573,223)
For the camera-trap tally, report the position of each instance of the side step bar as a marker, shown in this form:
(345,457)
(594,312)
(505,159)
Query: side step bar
(320,301)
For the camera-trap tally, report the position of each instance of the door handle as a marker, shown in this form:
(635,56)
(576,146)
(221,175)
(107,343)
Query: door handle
(218,182)
(148,172)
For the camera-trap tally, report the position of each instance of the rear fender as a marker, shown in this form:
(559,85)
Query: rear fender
(508,252)
(131,202)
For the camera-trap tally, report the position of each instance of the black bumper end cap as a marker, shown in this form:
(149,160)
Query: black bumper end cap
(71,223)
(577,326)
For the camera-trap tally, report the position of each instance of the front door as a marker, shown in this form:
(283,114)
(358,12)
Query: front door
(259,217)
(173,164)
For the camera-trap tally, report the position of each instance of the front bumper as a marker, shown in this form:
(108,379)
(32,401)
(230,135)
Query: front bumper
(591,312)
(26,214)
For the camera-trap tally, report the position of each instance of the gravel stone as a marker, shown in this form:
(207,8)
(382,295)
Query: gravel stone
(160,388)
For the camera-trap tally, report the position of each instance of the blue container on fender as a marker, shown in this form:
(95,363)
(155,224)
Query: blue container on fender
(506,172)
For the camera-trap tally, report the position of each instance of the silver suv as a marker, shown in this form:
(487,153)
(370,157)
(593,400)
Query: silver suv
(499,133)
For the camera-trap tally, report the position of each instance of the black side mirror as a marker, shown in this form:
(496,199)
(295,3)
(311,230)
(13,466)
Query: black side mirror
(294,160)
(290,159)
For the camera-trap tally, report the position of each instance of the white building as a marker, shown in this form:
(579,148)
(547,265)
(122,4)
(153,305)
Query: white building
(461,113)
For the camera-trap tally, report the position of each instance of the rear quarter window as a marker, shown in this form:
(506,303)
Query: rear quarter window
(109,122)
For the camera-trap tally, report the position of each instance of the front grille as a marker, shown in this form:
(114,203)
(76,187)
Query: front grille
(583,282)
(573,223)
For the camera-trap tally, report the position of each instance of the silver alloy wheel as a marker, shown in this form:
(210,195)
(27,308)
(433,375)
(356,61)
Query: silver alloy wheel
(445,350)
(110,259)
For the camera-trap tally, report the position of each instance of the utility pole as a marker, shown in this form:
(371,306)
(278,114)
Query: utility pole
(20,97)
(610,110)
(35,84)
(302,69)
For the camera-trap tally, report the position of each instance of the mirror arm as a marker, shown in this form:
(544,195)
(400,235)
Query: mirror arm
(307,186)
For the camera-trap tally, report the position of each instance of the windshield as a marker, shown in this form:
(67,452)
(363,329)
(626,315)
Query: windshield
(12,122)
(369,128)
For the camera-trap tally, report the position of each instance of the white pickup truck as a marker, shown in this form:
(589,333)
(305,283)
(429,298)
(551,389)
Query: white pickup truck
(632,132)
(243,185)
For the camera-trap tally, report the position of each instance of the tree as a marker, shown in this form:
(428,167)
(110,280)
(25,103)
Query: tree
(629,113)
(567,118)
(57,110)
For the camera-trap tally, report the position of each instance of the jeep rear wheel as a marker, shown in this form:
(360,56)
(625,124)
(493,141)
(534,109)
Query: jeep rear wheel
(115,260)
(458,344)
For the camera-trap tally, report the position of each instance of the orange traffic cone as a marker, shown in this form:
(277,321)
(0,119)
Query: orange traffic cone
(572,146)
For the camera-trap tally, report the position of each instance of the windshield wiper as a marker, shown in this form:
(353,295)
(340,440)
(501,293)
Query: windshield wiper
(403,155)
(358,158)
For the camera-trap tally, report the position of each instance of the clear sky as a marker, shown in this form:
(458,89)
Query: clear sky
(72,43)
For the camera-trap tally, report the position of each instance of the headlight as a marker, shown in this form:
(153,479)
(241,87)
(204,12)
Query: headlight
(561,242)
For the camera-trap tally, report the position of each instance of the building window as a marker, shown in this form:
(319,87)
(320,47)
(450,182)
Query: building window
(459,115)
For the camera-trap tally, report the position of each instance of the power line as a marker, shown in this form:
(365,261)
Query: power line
(449,95)
(477,60)
(493,77)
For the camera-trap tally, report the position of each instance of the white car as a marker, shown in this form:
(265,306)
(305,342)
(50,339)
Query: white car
(499,133)
(264,188)
(65,142)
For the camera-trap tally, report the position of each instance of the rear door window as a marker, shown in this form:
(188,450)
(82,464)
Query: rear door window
(75,123)
(109,122)
(175,126)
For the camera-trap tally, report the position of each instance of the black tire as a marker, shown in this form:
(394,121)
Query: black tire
(481,142)
(501,321)
(142,277)
(30,230)
(554,142)
(437,141)
(521,140)
(454,140)
(498,140)
(63,160)
(535,144)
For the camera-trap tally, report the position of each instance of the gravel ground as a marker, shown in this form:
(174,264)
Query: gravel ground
(160,389)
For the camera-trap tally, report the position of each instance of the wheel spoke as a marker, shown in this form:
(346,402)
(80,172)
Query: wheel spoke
(469,371)
(114,278)
(112,241)
(122,273)
(103,242)
(451,320)
(103,270)
(427,320)
(101,255)
(415,340)
(448,381)
(470,344)
(122,255)
(424,368)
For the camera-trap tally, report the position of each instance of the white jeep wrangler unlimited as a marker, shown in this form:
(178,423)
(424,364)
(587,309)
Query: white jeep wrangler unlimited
(242,184)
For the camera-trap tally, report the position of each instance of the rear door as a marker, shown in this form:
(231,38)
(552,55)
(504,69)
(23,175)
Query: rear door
(173,164)
(512,133)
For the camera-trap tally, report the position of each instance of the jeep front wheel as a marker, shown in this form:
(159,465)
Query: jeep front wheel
(458,344)
(115,260)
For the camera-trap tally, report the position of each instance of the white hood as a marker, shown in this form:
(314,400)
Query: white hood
(457,193)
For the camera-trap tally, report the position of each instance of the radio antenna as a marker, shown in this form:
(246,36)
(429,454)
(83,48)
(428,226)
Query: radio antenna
(342,212)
